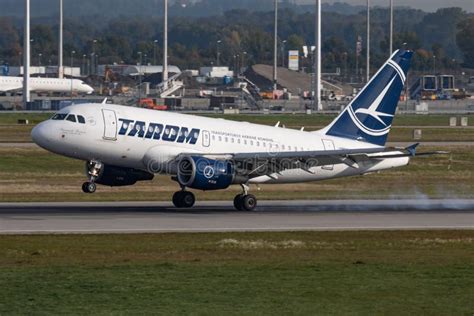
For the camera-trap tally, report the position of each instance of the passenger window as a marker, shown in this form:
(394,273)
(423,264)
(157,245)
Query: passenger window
(81,119)
(220,138)
(71,118)
(59,117)
(226,139)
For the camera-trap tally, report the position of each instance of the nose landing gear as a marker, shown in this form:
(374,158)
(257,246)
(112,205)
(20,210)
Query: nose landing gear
(93,171)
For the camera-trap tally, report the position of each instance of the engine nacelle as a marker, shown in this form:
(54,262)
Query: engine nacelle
(117,176)
(205,174)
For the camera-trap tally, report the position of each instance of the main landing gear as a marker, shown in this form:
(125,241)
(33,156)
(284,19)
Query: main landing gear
(93,172)
(242,201)
(184,199)
(245,201)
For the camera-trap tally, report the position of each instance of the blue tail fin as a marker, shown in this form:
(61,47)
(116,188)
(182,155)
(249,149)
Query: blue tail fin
(369,116)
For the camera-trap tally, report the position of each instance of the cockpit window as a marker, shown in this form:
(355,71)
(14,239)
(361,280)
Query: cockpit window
(81,119)
(59,116)
(71,117)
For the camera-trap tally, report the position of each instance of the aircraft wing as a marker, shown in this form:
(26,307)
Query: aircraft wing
(265,163)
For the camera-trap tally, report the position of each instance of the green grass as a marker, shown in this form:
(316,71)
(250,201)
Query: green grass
(8,118)
(31,174)
(356,273)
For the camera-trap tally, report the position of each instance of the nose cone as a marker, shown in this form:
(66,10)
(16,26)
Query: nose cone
(41,134)
(88,89)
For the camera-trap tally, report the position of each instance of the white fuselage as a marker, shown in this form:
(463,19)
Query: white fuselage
(102,138)
(45,85)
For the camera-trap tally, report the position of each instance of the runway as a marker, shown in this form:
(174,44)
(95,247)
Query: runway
(149,217)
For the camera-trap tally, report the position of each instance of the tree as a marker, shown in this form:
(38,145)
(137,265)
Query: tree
(295,42)
(465,41)
(9,40)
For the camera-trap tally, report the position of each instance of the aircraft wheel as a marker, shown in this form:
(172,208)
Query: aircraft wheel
(177,198)
(89,187)
(184,199)
(249,202)
(238,202)
(188,199)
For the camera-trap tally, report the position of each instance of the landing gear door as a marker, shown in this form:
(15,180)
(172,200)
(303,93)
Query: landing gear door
(206,139)
(110,124)
(328,145)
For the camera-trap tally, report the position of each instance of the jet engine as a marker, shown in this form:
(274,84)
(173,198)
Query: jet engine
(206,174)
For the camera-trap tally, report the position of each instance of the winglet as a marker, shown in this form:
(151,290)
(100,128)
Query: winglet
(412,149)
(105,101)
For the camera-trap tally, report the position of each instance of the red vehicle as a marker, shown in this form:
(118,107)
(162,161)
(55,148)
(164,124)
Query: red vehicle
(150,103)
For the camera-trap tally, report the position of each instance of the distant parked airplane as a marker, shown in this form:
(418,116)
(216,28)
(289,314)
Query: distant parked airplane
(122,145)
(12,84)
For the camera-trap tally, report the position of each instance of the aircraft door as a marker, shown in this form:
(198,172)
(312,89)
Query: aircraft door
(110,124)
(328,145)
(206,139)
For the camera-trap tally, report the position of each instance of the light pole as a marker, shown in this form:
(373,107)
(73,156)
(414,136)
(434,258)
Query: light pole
(244,60)
(93,57)
(70,72)
(391,27)
(318,56)
(434,64)
(83,64)
(155,42)
(275,47)
(218,60)
(139,77)
(26,55)
(283,51)
(60,48)
(165,44)
(368,42)
(235,65)
(345,64)
(39,59)
(238,64)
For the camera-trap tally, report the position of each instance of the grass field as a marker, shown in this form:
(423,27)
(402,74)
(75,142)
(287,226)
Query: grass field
(402,131)
(50,177)
(297,273)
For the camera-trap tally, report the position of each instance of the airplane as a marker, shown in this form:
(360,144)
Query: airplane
(123,145)
(12,84)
